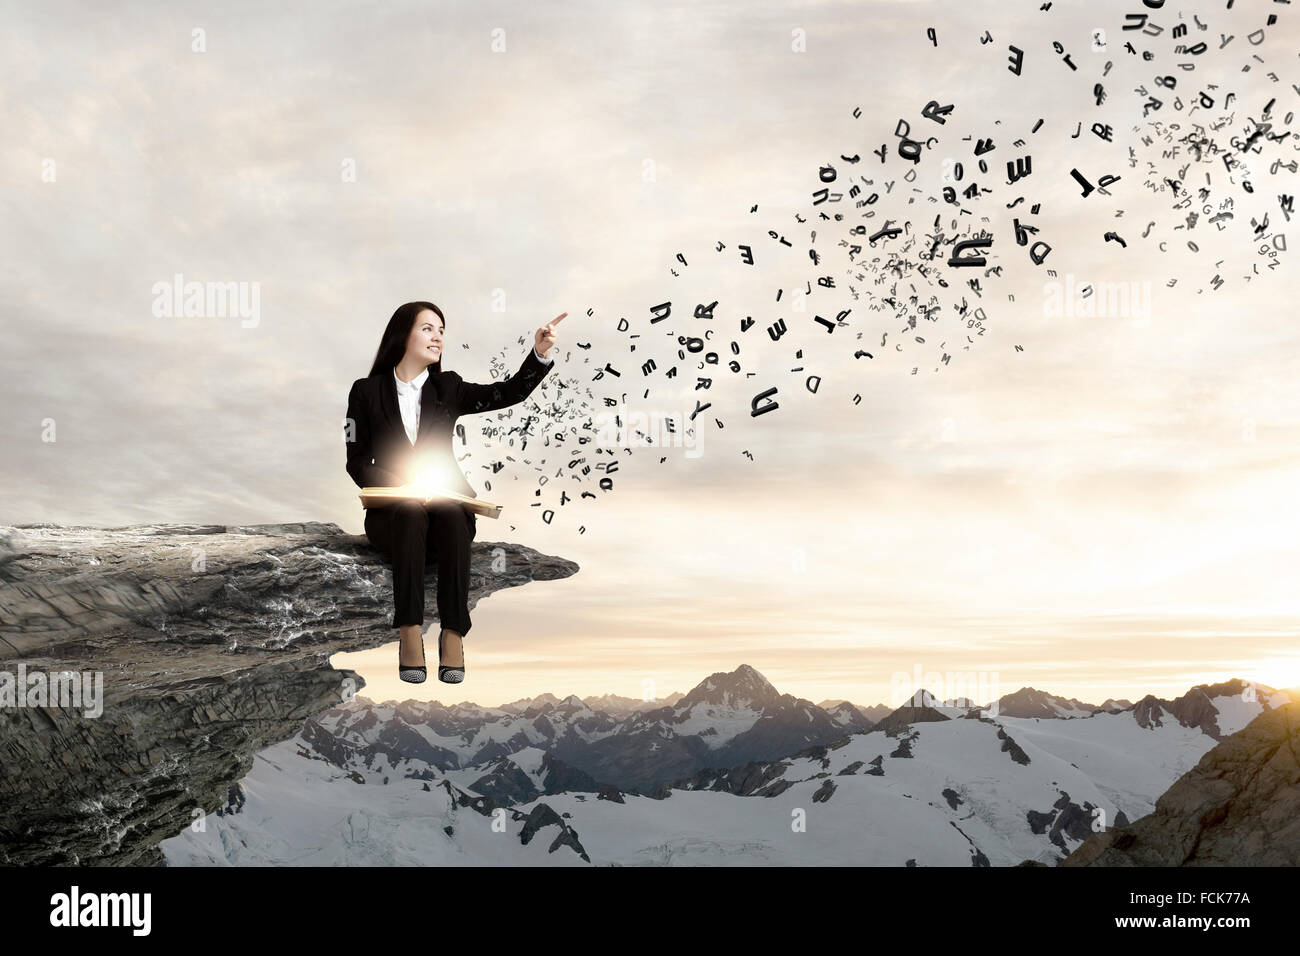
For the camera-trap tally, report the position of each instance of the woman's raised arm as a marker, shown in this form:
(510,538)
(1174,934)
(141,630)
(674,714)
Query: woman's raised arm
(470,398)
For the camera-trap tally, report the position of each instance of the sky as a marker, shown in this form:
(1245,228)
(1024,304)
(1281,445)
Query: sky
(1107,513)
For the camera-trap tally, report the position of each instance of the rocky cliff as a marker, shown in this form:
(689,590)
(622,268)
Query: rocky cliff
(1239,806)
(211,642)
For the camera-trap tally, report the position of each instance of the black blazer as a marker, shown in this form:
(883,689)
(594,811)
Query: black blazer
(380,452)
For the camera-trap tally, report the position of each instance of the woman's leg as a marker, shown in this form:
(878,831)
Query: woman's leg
(385,528)
(451,529)
(401,529)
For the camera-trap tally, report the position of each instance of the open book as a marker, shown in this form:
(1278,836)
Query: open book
(378,497)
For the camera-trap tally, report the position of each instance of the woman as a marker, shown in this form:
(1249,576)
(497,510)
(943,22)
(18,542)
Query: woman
(400,424)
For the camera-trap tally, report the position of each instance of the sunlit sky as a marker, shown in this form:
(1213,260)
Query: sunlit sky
(1108,513)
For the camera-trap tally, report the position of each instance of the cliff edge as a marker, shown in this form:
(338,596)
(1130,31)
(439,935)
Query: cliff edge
(210,643)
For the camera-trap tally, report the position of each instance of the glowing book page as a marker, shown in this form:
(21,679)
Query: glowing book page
(378,497)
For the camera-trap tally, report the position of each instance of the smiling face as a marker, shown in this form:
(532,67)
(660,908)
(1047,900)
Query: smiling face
(424,344)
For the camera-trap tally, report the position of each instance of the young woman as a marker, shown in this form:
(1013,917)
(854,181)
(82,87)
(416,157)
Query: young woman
(401,419)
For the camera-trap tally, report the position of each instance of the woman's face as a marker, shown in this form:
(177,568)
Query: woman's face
(425,341)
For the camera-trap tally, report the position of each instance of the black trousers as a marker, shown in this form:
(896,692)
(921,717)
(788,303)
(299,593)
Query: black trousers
(414,535)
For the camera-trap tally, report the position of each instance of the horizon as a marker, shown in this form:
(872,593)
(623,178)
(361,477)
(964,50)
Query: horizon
(1293,691)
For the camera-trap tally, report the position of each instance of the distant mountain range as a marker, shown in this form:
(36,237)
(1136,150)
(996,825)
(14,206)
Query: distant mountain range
(728,720)
(608,703)
(733,772)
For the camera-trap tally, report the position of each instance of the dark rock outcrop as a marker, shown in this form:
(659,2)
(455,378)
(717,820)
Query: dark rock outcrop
(1066,820)
(1239,806)
(1010,746)
(755,779)
(919,709)
(213,643)
(1149,713)
(542,816)
(904,748)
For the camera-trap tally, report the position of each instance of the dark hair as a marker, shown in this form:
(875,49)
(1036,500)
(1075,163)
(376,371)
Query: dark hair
(393,344)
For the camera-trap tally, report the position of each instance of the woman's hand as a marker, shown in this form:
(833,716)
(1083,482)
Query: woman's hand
(545,337)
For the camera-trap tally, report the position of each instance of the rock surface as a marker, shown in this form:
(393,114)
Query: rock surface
(213,643)
(1239,806)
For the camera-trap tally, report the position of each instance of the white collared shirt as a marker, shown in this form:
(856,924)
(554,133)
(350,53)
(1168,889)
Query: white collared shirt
(408,397)
(408,400)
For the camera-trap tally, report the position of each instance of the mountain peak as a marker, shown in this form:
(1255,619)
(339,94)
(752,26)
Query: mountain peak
(747,673)
(920,707)
(743,684)
(1031,702)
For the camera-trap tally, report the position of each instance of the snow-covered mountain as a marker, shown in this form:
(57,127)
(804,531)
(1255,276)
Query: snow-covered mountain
(728,719)
(1217,710)
(1110,705)
(873,713)
(930,785)
(1028,702)
(296,808)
